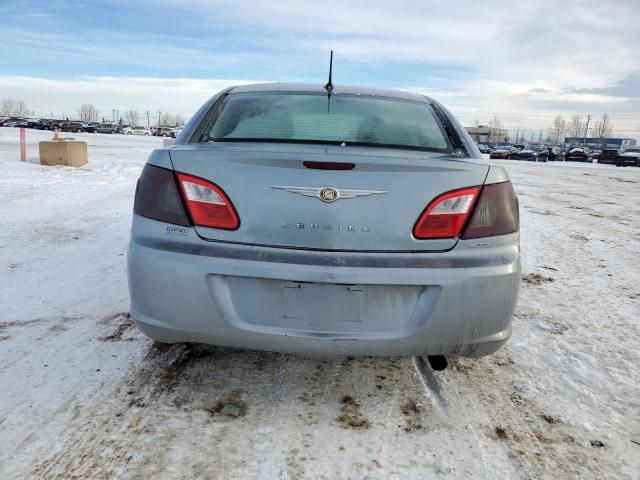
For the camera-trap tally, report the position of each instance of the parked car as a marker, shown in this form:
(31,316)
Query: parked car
(30,123)
(91,127)
(162,131)
(595,154)
(48,124)
(502,152)
(554,153)
(136,131)
(630,158)
(21,123)
(579,154)
(106,128)
(532,154)
(484,148)
(279,232)
(175,132)
(77,127)
(609,156)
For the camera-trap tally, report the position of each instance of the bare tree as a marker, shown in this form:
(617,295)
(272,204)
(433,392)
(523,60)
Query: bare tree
(603,127)
(88,113)
(576,126)
(170,120)
(131,117)
(495,130)
(15,108)
(557,129)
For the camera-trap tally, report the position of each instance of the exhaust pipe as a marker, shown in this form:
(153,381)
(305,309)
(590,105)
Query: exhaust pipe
(437,362)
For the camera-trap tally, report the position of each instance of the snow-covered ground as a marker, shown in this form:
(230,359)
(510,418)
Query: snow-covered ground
(85,395)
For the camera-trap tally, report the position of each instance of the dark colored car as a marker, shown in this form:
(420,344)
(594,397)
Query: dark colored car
(484,148)
(579,154)
(532,153)
(91,127)
(609,156)
(77,127)
(106,128)
(503,152)
(630,158)
(53,124)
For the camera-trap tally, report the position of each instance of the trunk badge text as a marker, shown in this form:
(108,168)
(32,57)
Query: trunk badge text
(328,194)
(180,232)
(326,226)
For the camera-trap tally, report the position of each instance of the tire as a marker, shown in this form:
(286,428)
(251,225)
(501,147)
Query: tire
(79,130)
(129,133)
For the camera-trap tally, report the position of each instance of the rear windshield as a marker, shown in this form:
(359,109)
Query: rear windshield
(313,118)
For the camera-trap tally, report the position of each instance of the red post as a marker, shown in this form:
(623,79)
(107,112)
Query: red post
(23,146)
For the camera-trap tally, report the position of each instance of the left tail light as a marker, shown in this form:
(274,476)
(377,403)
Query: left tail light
(207,203)
(157,197)
(446,216)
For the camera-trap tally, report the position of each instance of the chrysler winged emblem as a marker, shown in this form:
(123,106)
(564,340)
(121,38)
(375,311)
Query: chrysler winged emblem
(328,194)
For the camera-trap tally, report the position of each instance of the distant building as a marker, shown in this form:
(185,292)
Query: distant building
(483,133)
(599,143)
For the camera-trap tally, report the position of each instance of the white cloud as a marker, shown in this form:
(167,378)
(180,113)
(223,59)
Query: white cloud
(63,97)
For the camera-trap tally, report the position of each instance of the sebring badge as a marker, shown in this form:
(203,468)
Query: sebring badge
(328,194)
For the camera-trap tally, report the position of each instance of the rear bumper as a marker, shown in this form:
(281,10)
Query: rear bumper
(185,289)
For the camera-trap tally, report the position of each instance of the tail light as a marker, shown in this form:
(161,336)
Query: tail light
(496,212)
(207,203)
(486,211)
(157,197)
(445,216)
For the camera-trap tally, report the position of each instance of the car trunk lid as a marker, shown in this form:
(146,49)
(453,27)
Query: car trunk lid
(276,196)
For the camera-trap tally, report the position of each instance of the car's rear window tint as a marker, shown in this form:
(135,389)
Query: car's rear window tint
(351,119)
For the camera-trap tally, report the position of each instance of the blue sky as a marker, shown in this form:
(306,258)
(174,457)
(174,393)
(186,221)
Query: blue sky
(65,39)
(525,63)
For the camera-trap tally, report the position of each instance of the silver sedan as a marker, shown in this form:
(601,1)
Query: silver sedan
(350,222)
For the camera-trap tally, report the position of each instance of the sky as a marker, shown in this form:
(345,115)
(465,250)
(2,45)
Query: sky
(525,62)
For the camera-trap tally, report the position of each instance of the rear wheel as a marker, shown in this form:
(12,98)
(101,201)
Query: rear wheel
(79,130)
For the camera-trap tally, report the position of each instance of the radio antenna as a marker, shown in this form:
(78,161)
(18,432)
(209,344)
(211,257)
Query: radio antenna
(329,85)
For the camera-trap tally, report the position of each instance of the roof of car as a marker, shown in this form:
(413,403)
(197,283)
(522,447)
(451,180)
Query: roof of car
(337,89)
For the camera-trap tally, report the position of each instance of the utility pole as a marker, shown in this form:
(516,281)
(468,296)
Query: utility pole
(147,113)
(159,112)
(113,112)
(584,142)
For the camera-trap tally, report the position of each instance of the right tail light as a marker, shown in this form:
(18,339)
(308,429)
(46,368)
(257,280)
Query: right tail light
(495,213)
